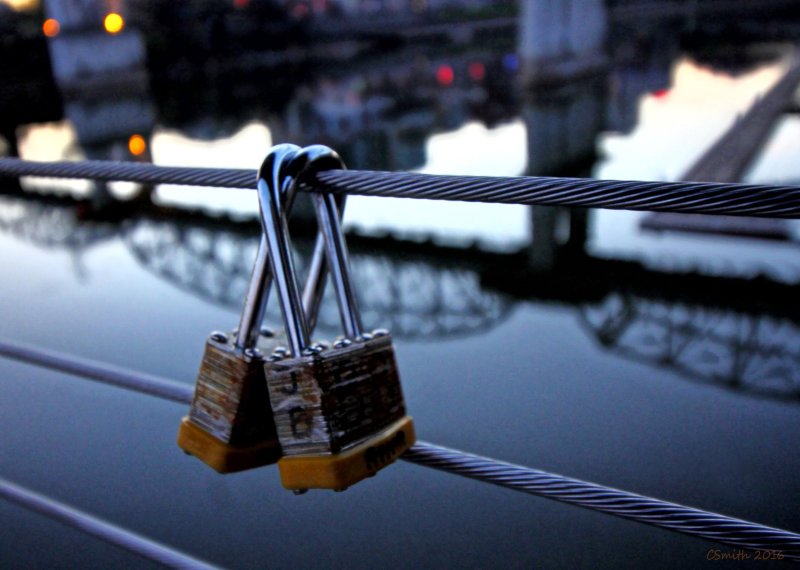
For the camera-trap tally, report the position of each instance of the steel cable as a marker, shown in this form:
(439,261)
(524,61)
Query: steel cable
(98,528)
(131,172)
(106,373)
(780,201)
(671,516)
(639,508)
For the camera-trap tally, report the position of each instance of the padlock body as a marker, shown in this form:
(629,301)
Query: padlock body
(340,470)
(230,425)
(339,414)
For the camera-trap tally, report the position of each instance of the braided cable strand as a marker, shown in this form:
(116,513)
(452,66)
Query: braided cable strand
(647,510)
(687,197)
(671,516)
(105,531)
(102,372)
(132,172)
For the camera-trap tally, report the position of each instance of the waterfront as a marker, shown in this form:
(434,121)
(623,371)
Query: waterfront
(665,364)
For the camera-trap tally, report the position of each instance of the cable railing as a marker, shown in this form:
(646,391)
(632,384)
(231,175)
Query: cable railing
(729,199)
(780,201)
(663,514)
(103,530)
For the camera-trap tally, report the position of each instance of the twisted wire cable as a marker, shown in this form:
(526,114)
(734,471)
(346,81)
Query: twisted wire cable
(688,197)
(102,372)
(687,520)
(142,173)
(639,508)
(98,528)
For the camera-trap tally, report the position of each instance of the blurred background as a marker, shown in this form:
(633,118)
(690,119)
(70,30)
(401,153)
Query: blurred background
(652,352)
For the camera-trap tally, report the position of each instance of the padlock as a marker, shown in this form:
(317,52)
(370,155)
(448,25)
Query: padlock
(230,425)
(338,410)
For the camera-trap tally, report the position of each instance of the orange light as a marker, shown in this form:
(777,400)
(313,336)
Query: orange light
(137,145)
(113,23)
(51,27)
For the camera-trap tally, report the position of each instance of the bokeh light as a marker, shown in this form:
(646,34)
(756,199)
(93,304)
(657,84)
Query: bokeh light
(51,27)
(445,75)
(113,23)
(137,145)
(477,71)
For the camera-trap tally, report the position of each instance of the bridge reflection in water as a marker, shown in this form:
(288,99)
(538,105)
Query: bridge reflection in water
(736,333)
(412,297)
(757,354)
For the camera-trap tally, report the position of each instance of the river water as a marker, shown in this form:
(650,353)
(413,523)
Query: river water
(660,363)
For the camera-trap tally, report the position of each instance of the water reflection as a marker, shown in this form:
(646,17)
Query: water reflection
(408,294)
(50,222)
(378,99)
(212,259)
(754,354)
(385,88)
(738,333)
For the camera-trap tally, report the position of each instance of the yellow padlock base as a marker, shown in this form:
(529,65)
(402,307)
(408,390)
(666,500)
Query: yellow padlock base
(221,456)
(340,470)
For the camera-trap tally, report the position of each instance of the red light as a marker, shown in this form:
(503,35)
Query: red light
(660,93)
(445,75)
(241,4)
(477,71)
(300,11)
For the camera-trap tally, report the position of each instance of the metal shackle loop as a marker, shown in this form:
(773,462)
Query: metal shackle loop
(271,201)
(314,289)
(330,228)
(285,166)
(255,301)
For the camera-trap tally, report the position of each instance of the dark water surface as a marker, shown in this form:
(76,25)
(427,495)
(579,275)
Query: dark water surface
(664,364)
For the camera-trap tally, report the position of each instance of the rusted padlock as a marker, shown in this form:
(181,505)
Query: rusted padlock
(338,410)
(230,425)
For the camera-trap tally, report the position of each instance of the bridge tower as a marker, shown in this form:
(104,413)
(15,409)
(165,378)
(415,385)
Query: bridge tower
(563,65)
(561,39)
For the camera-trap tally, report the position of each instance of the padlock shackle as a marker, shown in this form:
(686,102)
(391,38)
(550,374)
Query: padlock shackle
(255,304)
(336,250)
(271,201)
(255,301)
(280,258)
(314,288)
(329,208)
